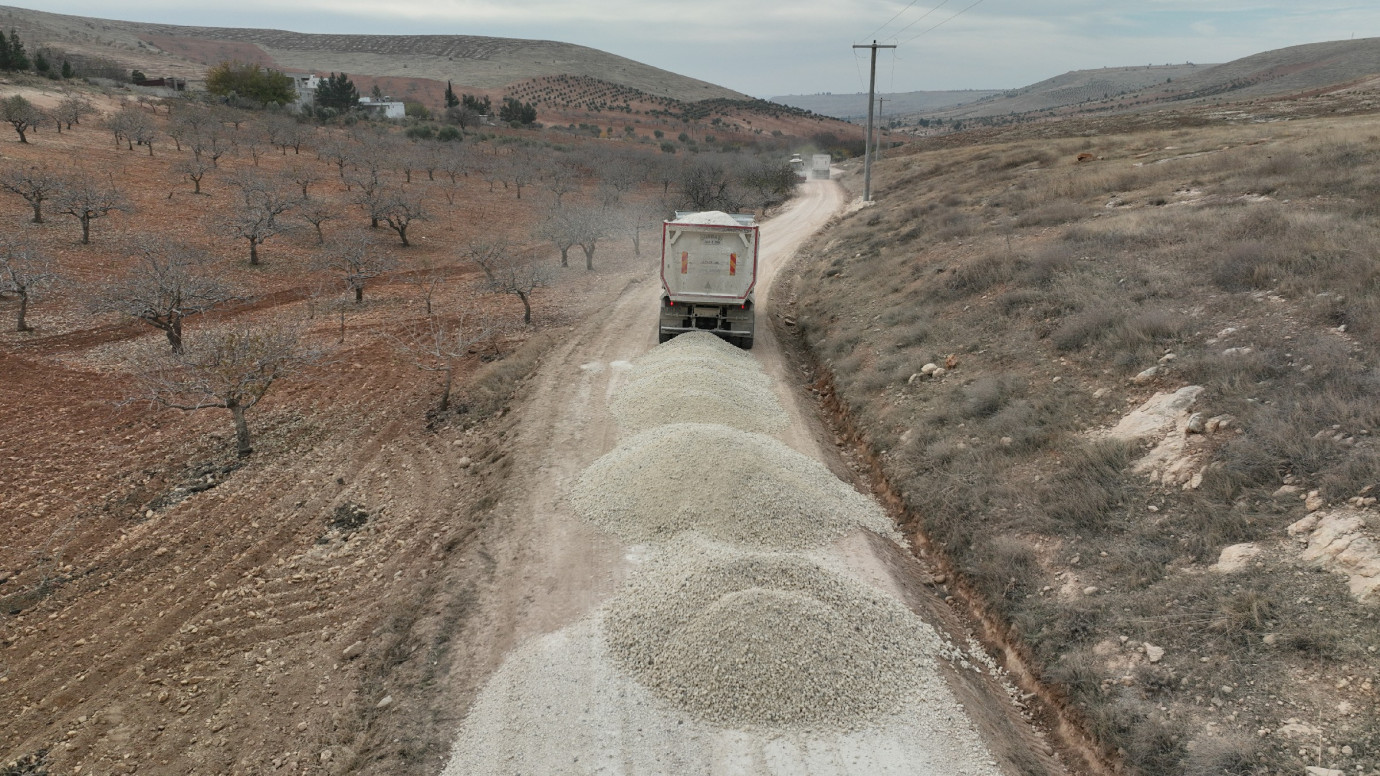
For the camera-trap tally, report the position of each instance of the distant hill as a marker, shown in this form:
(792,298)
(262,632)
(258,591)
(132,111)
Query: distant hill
(1296,70)
(852,107)
(479,63)
(1070,89)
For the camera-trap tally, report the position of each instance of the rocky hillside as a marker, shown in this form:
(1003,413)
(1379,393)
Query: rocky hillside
(1123,381)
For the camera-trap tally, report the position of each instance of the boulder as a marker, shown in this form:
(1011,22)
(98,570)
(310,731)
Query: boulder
(1235,558)
(1338,541)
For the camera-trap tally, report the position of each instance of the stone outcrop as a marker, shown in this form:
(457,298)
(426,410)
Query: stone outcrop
(1340,541)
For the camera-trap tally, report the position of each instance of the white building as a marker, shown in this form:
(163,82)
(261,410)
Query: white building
(384,108)
(305,84)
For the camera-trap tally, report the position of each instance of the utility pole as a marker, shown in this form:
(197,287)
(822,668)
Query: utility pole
(871,102)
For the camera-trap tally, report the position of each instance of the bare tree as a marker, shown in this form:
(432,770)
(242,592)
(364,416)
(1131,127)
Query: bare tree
(704,185)
(34,184)
(210,141)
(557,228)
(439,344)
(399,209)
(454,163)
(338,151)
(86,200)
(167,284)
(356,262)
(491,170)
(427,276)
(190,122)
(303,176)
(195,168)
(21,114)
(562,178)
(429,156)
(522,170)
(131,126)
(71,108)
(229,368)
(462,117)
(284,132)
(642,217)
(23,273)
(252,140)
(509,271)
(620,174)
(256,216)
(316,212)
(590,226)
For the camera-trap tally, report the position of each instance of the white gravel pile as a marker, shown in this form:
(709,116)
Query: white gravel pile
(734,486)
(559,705)
(699,345)
(694,389)
(770,639)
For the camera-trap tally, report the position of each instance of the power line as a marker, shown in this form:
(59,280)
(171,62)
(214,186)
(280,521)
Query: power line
(894,18)
(946,21)
(921,19)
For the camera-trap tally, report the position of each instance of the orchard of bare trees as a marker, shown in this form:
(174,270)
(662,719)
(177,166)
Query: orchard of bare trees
(490,218)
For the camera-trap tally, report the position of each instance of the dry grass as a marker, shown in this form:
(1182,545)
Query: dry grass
(1246,252)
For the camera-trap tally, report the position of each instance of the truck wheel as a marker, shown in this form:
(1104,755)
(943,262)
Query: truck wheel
(664,336)
(745,342)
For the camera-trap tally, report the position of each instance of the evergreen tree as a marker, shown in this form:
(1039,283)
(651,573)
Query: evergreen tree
(67,71)
(480,105)
(18,59)
(41,63)
(516,111)
(4,52)
(338,93)
(451,99)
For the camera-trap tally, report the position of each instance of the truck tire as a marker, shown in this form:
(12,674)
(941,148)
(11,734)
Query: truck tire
(663,336)
(745,342)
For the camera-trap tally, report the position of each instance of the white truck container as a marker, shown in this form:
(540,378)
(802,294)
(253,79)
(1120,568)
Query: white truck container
(709,275)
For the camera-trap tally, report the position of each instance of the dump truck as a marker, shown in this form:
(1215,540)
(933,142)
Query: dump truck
(709,275)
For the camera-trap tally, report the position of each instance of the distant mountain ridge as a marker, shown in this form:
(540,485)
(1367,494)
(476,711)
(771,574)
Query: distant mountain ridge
(851,107)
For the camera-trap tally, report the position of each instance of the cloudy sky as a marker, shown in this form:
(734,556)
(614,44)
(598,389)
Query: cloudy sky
(777,47)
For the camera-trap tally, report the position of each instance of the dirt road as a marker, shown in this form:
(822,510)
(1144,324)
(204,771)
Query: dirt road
(560,566)
(553,703)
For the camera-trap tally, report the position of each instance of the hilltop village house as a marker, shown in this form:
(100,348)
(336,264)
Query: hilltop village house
(306,83)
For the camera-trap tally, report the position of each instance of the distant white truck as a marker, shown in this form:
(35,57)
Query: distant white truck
(709,276)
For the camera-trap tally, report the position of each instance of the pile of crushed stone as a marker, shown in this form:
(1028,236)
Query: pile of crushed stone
(733,486)
(770,639)
(694,388)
